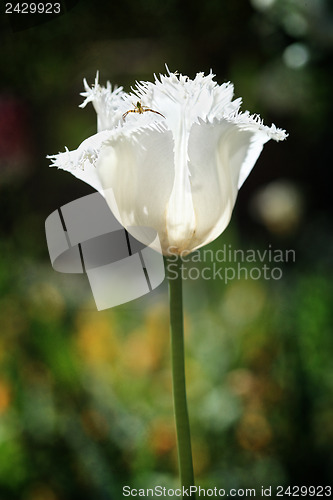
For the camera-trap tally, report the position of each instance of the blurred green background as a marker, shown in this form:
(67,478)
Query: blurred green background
(85,396)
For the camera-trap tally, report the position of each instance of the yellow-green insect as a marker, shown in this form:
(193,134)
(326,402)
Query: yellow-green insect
(138,108)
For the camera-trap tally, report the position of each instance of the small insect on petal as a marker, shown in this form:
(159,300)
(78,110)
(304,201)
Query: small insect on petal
(138,108)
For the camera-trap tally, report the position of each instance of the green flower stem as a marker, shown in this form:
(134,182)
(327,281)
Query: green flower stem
(173,272)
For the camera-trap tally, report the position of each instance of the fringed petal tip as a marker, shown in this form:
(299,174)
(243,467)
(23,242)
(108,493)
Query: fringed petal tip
(71,160)
(86,155)
(58,160)
(210,100)
(90,92)
(278,134)
(97,93)
(246,121)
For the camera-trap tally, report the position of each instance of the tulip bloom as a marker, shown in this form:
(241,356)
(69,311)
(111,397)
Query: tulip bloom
(171,155)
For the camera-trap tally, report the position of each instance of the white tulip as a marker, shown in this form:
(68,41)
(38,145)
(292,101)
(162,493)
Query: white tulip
(175,162)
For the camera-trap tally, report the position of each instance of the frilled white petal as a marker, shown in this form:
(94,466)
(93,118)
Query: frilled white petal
(183,102)
(107,103)
(212,185)
(82,162)
(221,154)
(180,216)
(178,97)
(259,134)
(132,170)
